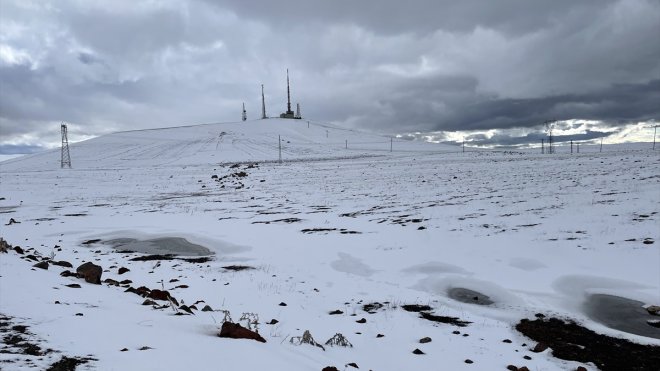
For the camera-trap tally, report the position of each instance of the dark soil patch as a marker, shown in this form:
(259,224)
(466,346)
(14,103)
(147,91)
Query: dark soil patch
(318,230)
(287,220)
(416,307)
(570,341)
(444,319)
(68,364)
(237,268)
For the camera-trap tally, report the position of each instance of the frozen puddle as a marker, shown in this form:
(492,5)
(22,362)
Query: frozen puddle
(160,246)
(469,296)
(621,314)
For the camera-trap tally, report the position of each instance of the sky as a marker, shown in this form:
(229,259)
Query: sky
(489,72)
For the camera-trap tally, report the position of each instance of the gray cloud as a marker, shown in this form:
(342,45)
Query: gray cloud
(387,66)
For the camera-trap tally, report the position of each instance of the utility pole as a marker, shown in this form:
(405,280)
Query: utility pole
(549,125)
(601,144)
(463,145)
(578,147)
(542,146)
(571,146)
(655,128)
(391,140)
(244,117)
(279,141)
(263,103)
(346,144)
(65,155)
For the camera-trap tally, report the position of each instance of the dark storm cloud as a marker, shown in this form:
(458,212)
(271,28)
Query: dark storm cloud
(504,140)
(388,66)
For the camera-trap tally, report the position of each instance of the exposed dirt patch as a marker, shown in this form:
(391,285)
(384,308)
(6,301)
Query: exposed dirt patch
(68,364)
(444,319)
(416,307)
(570,341)
(237,268)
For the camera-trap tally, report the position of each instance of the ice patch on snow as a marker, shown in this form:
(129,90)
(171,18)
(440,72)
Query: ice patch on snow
(352,265)
(621,314)
(442,286)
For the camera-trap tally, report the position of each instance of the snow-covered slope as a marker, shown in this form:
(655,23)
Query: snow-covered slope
(255,140)
(330,229)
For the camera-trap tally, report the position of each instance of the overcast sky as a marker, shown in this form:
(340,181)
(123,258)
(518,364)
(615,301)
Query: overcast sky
(490,70)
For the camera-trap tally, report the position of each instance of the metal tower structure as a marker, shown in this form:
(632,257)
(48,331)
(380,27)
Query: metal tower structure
(263,103)
(244,116)
(288,94)
(66,156)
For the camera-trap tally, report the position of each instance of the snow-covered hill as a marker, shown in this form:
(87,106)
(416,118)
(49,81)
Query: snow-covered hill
(249,141)
(488,238)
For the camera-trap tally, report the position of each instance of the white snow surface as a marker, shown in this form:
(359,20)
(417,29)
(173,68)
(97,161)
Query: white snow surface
(536,233)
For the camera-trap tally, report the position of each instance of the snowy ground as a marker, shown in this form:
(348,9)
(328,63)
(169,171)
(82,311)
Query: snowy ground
(330,228)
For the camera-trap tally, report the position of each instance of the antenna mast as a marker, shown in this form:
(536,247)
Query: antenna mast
(288,93)
(244,112)
(66,156)
(263,103)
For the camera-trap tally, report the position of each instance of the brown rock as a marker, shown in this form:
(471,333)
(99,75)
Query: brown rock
(352,364)
(19,250)
(653,310)
(111,282)
(580,368)
(362,320)
(417,351)
(42,265)
(540,347)
(523,368)
(73,286)
(425,340)
(159,294)
(149,302)
(123,270)
(67,274)
(512,368)
(236,331)
(90,272)
(207,308)
(330,368)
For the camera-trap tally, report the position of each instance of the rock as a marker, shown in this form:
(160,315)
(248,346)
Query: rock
(653,322)
(124,350)
(62,263)
(207,308)
(149,302)
(507,341)
(653,310)
(90,272)
(334,312)
(125,282)
(512,368)
(362,320)
(236,331)
(159,294)
(282,304)
(469,361)
(73,286)
(111,282)
(417,351)
(273,322)
(527,357)
(19,250)
(330,368)
(540,347)
(123,270)
(425,340)
(380,336)
(186,309)
(580,368)
(523,368)
(352,364)
(42,265)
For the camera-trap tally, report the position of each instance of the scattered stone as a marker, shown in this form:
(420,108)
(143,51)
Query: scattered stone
(371,308)
(145,348)
(79,314)
(62,263)
(19,250)
(362,320)
(73,285)
(236,331)
(653,323)
(417,351)
(580,368)
(159,294)
(425,340)
(444,319)
(282,304)
(42,265)
(527,357)
(380,336)
(273,322)
(149,302)
(111,282)
(512,368)
(125,282)
(416,307)
(124,350)
(469,361)
(507,341)
(237,268)
(539,347)
(523,368)
(335,312)
(653,310)
(123,270)
(90,272)
(330,368)
(207,308)
(186,309)
(352,364)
